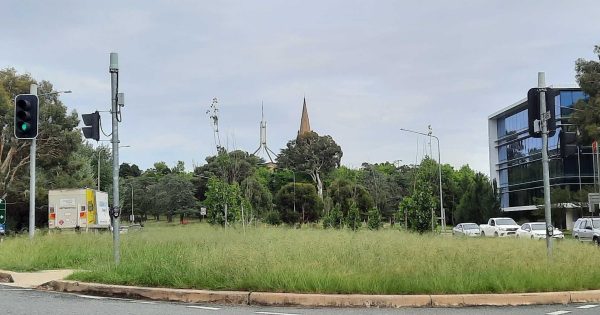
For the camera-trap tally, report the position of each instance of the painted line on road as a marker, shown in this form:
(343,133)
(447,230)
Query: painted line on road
(583,307)
(144,302)
(559,313)
(204,307)
(91,297)
(273,313)
(16,289)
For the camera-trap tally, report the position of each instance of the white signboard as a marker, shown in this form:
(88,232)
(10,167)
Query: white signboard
(203,211)
(593,199)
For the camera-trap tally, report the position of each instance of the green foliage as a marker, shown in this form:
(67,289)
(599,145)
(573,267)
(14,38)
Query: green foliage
(259,197)
(587,113)
(334,219)
(374,222)
(416,209)
(313,154)
(220,197)
(298,203)
(386,184)
(479,202)
(272,217)
(344,192)
(353,218)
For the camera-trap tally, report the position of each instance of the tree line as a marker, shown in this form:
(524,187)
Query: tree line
(307,186)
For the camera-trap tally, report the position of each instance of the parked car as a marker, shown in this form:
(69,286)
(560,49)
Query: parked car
(466,229)
(537,231)
(587,230)
(499,227)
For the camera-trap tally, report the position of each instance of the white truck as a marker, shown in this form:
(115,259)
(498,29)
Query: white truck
(78,209)
(499,227)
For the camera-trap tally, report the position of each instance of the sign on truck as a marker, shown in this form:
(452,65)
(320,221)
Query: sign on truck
(77,208)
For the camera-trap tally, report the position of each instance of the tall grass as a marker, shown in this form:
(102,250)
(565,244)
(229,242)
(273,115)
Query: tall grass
(311,260)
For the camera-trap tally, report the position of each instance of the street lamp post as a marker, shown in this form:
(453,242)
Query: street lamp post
(442,210)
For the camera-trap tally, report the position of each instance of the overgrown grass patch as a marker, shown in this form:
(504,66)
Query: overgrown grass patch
(311,260)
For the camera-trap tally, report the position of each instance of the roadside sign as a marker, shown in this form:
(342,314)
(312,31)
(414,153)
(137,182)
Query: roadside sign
(593,199)
(203,211)
(2,211)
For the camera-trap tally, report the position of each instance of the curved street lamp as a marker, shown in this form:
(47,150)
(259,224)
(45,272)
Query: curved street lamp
(442,210)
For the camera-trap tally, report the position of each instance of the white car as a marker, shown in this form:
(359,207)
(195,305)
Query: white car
(537,231)
(466,229)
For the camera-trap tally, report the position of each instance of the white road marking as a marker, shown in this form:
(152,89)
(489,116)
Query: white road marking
(204,307)
(559,313)
(16,289)
(273,313)
(144,302)
(587,306)
(91,297)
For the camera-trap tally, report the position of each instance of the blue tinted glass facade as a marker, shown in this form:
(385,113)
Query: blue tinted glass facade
(519,164)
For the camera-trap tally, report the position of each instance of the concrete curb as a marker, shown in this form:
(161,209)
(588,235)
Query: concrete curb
(6,278)
(161,294)
(322,300)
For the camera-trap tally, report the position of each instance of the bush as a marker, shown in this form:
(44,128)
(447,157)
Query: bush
(353,218)
(374,219)
(272,217)
(335,218)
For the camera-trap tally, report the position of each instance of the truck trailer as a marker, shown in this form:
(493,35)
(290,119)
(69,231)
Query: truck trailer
(78,209)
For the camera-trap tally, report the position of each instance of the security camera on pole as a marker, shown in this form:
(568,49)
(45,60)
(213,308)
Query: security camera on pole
(541,123)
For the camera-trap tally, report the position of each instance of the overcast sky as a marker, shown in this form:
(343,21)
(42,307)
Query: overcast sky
(366,68)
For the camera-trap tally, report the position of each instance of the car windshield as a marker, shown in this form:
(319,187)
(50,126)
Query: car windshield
(538,226)
(508,222)
(471,226)
(596,223)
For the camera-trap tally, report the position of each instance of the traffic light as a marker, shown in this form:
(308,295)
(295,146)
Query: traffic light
(533,111)
(568,142)
(26,116)
(92,125)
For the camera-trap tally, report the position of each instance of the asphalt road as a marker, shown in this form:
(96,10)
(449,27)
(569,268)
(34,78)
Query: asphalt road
(26,301)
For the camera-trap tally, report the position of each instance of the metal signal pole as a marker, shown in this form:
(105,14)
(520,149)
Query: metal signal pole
(545,168)
(114,82)
(32,153)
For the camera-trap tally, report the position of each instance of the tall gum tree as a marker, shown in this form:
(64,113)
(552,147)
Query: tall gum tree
(312,154)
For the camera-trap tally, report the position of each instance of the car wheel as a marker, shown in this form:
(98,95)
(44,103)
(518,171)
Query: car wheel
(482,234)
(597,241)
(532,237)
(495,234)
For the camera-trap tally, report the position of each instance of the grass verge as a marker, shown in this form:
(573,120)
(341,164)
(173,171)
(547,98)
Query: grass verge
(311,260)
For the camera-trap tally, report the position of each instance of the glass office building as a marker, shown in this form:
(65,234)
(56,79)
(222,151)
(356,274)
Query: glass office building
(515,157)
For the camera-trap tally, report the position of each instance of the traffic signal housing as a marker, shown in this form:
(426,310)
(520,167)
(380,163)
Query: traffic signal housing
(92,125)
(533,111)
(26,116)
(568,142)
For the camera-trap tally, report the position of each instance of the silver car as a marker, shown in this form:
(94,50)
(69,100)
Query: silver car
(587,230)
(466,229)
(537,231)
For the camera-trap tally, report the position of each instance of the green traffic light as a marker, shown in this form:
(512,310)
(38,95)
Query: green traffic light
(24,127)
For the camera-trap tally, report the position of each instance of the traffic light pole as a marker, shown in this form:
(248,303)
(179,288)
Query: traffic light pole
(114,81)
(32,153)
(545,169)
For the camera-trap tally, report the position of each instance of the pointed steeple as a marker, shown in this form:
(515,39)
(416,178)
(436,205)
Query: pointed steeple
(304,122)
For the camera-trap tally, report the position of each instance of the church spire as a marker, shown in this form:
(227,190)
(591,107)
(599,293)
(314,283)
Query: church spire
(304,122)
